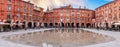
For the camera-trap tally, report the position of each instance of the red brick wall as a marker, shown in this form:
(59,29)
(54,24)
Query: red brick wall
(77,18)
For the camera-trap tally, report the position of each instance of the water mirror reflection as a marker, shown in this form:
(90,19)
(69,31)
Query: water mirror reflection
(60,38)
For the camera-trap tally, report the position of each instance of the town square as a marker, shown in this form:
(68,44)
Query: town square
(59,23)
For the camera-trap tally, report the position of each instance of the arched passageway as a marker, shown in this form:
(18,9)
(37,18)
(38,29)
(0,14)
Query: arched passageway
(68,24)
(51,25)
(56,24)
(23,24)
(82,25)
(77,25)
(72,25)
(106,25)
(62,24)
(30,25)
(88,25)
(7,26)
(45,25)
(17,24)
(34,24)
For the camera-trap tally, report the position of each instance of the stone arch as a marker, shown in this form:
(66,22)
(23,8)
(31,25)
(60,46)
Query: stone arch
(88,25)
(35,24)
(72,25)
(82,25)
(51,25)
(77,25)
(45,25)
(56,24)
(107,25)
(17,24)
(62,24)
(24,23)
(29,24)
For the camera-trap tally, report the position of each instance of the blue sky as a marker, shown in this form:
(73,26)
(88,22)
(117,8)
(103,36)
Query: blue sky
(93,4)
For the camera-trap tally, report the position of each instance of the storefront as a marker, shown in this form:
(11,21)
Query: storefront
(2,26)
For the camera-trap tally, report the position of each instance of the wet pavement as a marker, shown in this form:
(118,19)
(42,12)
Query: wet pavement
(60,38)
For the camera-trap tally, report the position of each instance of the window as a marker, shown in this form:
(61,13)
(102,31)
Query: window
(18,3)
(72,14)
(88,14)
(9,0)
(82,14)
(115,9)
(82,19)
(8,16)
(67,14)
(50,14)
(9,8)
(115,17)
(25,9)
(35,18)
(77,10)
(119,15)
(24,17)
(18,16)
(78,19)
(78,14)
(24,4)
(30,17)
(88,19)
(18,9)
(31,9)
(72,10)
(61,14)
(72,19)
(61,11)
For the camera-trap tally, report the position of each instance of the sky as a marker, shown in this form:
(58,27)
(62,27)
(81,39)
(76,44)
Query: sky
(91,4)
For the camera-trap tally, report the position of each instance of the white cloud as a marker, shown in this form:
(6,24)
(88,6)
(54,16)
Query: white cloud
(56,3)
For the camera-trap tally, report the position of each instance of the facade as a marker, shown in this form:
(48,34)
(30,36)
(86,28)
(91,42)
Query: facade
(67,16)
(108,16)
(38,16)
(18,14)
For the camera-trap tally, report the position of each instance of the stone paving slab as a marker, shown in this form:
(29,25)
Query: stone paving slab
(115,43)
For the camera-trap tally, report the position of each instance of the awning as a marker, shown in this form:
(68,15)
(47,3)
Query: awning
(2,23)
(116,24)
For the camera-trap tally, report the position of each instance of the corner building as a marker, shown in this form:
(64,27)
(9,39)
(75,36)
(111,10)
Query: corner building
(19,14)
(108,15)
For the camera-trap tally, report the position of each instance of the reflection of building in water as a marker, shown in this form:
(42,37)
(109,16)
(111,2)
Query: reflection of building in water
(58,38)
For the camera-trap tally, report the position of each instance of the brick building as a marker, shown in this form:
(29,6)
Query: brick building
(38,16)
(67,16)
(108,16)
(19,14)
